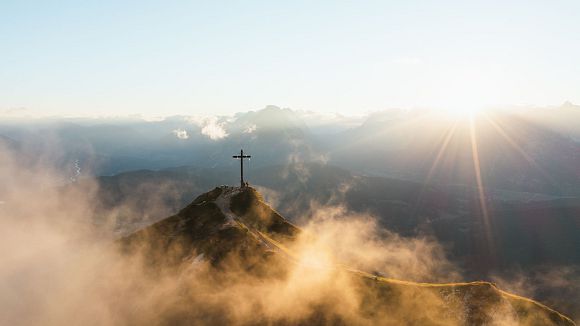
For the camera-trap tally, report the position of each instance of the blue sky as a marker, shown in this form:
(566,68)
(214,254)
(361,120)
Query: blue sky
(190,57)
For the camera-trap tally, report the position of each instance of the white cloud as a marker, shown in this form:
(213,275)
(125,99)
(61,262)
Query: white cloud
(214,129)
(250,129)
(210,127)
(181,133)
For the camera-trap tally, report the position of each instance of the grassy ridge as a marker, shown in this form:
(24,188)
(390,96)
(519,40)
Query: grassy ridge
(257,245)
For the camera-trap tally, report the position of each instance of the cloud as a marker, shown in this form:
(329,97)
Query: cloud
(180,133)
(297,158)
(357,241)
(555,285)
(17,112)
(250,129)
(212,127)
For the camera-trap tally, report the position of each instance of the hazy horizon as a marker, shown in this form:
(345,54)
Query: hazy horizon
(23,114)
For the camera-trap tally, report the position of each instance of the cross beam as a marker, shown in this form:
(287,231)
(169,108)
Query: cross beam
(242,157)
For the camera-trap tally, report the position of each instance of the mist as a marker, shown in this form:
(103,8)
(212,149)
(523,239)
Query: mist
(59,267)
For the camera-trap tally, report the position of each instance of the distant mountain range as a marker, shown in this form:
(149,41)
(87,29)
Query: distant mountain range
(534,151)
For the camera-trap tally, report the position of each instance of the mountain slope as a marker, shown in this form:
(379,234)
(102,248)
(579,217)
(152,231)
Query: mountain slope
(235,233)
(209,226)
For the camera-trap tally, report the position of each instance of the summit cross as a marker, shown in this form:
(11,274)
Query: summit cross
(242,157)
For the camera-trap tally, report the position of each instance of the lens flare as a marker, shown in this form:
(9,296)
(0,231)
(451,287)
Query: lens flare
(480,187)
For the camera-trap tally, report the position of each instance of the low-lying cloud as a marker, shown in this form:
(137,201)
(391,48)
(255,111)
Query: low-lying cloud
(180,133)
(356,240)
(250,129)
(59,267)
(212,127)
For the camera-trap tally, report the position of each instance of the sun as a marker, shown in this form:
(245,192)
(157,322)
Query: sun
(467,99)
(464,112)
(468,91)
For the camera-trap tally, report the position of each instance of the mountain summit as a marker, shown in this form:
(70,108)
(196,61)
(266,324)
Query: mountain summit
(223,224)
(248,251)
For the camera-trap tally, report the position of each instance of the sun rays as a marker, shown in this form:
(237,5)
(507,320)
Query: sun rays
(470,151)
(474,156)
(514,145)
(444,151)
(441,152)
(481,194)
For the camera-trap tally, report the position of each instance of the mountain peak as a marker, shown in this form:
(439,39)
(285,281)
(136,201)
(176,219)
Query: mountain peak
(245,205)
(272,118)
(223,221)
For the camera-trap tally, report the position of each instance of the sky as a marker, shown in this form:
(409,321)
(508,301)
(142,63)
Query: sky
(219,57)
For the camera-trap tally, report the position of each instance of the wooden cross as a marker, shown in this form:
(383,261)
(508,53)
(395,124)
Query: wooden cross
(242,157)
